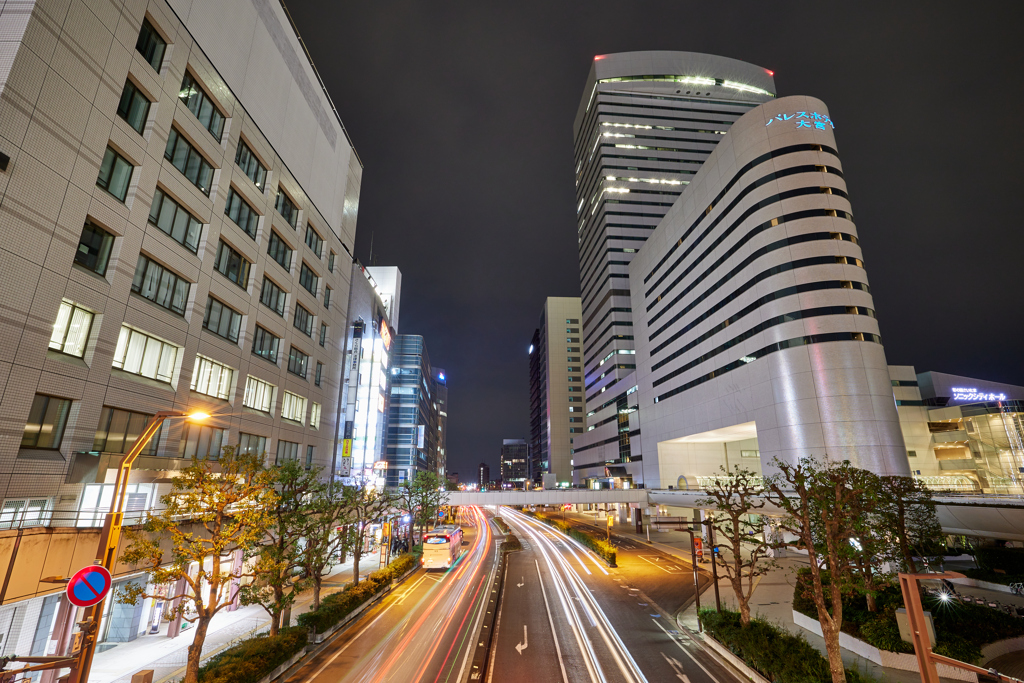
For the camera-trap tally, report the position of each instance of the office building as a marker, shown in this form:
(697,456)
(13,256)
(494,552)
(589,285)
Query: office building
(367,377)
(177,215)
(556,389)
(515,458)
(483,477)
(754,326)
(419,392)
(646,123)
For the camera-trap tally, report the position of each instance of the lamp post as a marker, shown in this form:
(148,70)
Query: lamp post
(111,535)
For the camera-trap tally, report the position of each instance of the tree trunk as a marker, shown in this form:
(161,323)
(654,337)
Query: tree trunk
(195,651)
(835,654)
(872,604)
(317,581)
(357,552)
(286,617)
(275,623)
(744,613)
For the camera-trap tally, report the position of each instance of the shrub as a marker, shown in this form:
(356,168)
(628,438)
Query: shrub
(993,577)
(952,645)
(511,544)
(884,633)
(1010,560)
(254,658)
(775,653)
(501,525)
(337,606)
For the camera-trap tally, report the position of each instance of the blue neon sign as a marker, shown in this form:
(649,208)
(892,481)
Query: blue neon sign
(813,120)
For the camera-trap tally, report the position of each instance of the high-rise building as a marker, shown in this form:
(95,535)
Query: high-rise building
(177,215)
(483,476)
(419,393)
(646,123)
(515,458)
(367,377)
(556,389)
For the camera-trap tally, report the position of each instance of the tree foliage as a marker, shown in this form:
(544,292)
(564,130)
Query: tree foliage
(364,506)
(207,517)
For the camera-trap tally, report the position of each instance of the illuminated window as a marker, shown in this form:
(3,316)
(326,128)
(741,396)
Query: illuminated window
(293,407)
(259,395)
(314,416)
(141,354)
(71,330)
(212,378)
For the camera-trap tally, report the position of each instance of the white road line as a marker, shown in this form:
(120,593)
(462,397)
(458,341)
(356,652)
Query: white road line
(680,646)
(551,623)
(667,571)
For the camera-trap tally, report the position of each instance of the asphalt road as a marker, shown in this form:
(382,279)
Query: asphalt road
(564,616)
(421,632)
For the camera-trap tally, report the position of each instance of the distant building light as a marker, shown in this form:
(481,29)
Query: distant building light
(531,349)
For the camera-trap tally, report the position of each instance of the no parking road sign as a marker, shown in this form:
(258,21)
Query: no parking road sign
(88,586)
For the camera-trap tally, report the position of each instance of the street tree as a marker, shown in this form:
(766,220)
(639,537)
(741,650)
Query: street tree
(422,497)
(825,504)
(906,513)
(364,506)
(280,555)
(328,534)
(735,498)
(207,517)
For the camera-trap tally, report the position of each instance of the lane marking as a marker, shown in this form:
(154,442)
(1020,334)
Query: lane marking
(680,646)
(558,650)
(523,645)
(670,569)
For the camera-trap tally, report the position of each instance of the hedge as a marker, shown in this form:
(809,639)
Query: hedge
(337,606)
(961,630)
(254,658)
(776,654)
(993,577)
(502,525)
(1010,560)
(602,548)
(511,544)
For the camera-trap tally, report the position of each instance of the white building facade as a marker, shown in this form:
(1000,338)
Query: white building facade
(178,205)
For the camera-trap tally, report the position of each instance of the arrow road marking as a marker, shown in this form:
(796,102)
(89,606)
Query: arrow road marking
(677,668)
(523,645)
(522,581)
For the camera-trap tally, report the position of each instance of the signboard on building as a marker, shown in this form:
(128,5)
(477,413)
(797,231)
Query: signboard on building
(380,466)
(385,334)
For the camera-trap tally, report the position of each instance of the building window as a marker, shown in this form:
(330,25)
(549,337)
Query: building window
(297,361)
(239,211)
(173,219)
(250,165)
(265,344)
(323,334)
(303,320)
(330,262)
(151,45)
(272,297)
(46,421)
(293,407)
(286,450)
(252,444)
(212,378)
(319,372)
(232,265)
(279,250)
(118,429)
(133,107)
(115,174)
(94,249)
(309,279)
(140,354)
(314,241)
(187,159)
(222,320)
(24,512)
(71,330)
(161,286)
(327,298)
(309,457)
(259,395)
(286,208)
(202,442)
(314,416)
(199,103)
(572,321)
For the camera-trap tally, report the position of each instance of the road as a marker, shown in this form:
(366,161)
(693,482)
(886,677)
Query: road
(564,616)
(420,633)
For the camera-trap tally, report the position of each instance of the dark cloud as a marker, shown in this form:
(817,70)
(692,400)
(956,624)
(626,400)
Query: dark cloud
(462,113)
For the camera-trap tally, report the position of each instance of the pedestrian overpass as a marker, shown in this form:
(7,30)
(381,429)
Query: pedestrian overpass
(987,516)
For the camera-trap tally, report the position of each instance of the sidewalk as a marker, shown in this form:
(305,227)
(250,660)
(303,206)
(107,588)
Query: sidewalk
(773,596)
(167,656)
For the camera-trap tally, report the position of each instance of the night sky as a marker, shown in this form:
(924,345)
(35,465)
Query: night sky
(462,114)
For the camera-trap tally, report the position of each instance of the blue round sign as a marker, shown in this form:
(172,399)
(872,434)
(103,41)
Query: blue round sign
(88,586)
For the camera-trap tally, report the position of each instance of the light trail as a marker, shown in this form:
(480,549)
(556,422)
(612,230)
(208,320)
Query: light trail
(570,588)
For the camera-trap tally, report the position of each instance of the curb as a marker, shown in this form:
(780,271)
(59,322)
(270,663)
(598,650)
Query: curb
(482,656)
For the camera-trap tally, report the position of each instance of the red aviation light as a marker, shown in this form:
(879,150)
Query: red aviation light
(597,57)
(769,72)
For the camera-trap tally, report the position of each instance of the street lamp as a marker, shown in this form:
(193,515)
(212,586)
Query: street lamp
(111,535)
